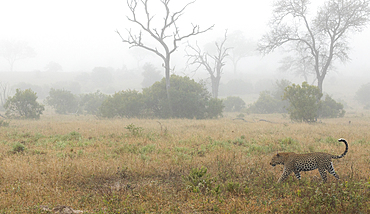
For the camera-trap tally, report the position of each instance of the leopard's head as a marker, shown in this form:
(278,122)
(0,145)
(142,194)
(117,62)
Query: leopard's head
(279,158)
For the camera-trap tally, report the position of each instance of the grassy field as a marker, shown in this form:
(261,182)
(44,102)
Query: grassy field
(179,166)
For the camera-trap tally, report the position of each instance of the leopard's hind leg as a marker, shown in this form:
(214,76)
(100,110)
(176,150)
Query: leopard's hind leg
(331,170)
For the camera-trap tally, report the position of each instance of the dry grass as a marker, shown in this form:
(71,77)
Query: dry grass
(158,166)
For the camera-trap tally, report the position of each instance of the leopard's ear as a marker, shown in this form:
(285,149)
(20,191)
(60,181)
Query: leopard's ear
(277,155)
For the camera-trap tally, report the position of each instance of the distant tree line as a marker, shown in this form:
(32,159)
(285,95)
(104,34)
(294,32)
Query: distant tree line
(303,102)
(189,100)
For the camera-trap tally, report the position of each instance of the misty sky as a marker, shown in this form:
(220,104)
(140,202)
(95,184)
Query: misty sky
(80,34)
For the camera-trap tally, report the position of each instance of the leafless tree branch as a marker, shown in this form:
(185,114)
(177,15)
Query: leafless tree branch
(163,34)
(323,38)
(214,68)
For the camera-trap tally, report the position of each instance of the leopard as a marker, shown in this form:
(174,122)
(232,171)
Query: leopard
(306,162)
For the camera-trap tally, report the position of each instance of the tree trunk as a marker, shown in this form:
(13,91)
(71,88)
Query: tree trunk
(320,81)
(215,85)
(167,72)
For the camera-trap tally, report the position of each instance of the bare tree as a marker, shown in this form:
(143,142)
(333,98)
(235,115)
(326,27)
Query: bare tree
(324,39)
(15,50)
(212,63)
(166,34)
(241,47)
(300,63)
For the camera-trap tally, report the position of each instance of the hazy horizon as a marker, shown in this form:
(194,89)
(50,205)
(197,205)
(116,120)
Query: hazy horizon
(80,35)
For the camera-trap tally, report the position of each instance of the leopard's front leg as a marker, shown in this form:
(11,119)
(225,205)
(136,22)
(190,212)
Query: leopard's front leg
(284,176)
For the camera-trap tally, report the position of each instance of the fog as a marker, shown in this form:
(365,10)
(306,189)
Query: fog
(80,36)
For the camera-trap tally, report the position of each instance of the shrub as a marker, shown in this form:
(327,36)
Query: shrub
(134,130)
(271,102)
(199,181)
(23,105)
(62,101)
(233,104)
(214,108)
(267,104)
(330,108)
(90,103)
(128,104)
(236,87)
(188,100)
(18,147)
(304,102)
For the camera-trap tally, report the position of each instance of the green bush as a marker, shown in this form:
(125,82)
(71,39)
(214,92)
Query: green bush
(236,87)
(304,102)
(214,108)
(62,101)
(271,102)
(330,108)
(134,130)
(23,105)
(128,104)
(233,104)
(18,148)
(199,181)
(267,104)
(188,100)
(90,103)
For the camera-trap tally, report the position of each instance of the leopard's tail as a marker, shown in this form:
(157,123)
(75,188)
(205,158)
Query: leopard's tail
(345,151)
